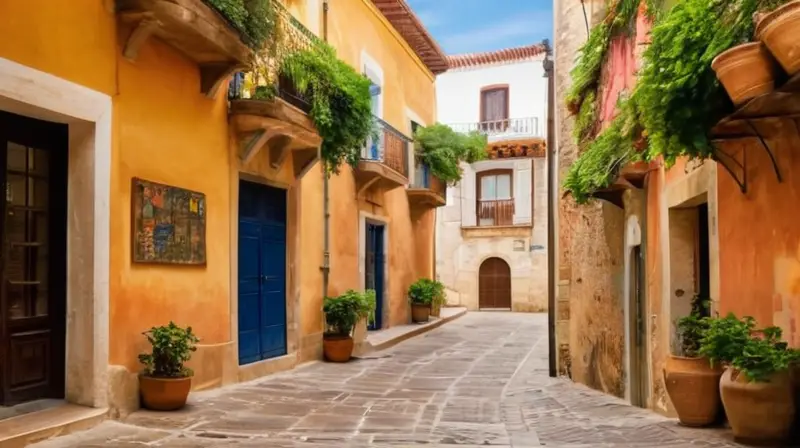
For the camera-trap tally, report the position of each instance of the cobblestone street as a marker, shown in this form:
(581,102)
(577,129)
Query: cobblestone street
(480,380)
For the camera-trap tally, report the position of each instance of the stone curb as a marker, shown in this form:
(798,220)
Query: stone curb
(424,328)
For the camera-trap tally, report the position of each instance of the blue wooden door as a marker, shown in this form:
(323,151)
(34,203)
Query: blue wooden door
(375,270)
(262,272)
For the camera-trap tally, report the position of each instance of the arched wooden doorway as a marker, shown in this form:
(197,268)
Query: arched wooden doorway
(494,284)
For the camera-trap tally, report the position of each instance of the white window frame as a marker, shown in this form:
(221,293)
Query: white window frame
(374,71)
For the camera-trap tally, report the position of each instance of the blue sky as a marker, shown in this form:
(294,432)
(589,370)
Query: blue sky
(467,26)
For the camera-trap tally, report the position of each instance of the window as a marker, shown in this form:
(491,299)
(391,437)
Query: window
(494,108)
(495,198)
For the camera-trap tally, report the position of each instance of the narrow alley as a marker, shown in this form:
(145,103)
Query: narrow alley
(479,380)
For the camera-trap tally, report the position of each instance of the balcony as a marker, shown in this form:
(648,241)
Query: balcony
(495,212)
(271,113)
(384,159)
(427,191)
(191,27)
(508,129)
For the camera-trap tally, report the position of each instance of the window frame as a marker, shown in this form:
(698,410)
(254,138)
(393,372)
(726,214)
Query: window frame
(494,172)
(495,88)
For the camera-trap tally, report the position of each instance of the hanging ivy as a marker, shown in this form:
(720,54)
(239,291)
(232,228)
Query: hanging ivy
(340,101)
(442,150)
(254,19)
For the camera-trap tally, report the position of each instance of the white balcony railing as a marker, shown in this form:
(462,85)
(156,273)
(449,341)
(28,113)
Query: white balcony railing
(508,129)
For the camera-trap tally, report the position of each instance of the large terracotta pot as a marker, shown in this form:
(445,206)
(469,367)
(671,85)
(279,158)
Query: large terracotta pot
(760,412)
(420,313)
(780,32)
(337,348)
(693,388)
(746,71)
(164,394)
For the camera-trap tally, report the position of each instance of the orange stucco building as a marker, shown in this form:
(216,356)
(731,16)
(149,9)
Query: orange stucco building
(106,97)
(632,260)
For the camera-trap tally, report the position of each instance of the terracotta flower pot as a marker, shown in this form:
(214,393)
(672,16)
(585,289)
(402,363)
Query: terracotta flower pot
(693,388)
(746,71)
(420,313)
(337,348)
(760,412)
(436,310)
(780,32)
(164,394)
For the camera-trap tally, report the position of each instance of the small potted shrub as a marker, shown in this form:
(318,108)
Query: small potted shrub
(420,296)
(691,380)
(165,382)
(439,298)
(341,315)
(756,388)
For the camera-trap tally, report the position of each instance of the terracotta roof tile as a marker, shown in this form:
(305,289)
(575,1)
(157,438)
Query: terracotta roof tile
(493,57)
(413,31)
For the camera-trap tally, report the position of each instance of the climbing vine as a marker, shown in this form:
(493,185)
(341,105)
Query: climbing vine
(254,19)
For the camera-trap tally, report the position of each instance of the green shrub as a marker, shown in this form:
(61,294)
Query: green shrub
(442,150)
(343,312)
(764,355)
(254,19)
(341,105)
(426,292)
(692,328)
(725,338)
(172,346)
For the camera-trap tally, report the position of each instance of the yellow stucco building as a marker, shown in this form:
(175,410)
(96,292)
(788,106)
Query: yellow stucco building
(105,104)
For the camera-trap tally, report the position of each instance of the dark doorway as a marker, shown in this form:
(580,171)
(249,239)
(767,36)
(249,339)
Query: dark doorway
(375,266)
(702,268)
(33,168)
(262,272)
(494,285)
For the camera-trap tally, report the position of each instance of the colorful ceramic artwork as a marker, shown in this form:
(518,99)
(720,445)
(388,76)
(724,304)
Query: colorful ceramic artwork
(169,224)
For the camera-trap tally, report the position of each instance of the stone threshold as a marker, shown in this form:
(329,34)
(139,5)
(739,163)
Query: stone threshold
(383,339)
(27,429)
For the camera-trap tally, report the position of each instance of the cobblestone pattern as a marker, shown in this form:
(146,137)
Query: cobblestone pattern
(478,381)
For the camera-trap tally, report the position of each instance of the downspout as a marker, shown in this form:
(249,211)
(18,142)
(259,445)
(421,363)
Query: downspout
(551,211)
(326,214)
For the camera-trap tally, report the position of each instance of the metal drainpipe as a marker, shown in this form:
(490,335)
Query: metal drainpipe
(551,210)
(326,214)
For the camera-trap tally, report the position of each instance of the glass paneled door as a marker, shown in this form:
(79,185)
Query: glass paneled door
(33,156)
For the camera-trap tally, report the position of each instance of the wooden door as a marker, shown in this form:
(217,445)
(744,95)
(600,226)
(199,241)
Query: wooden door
(33,168)
(375,260)
(262,272)
(494,284)
(638,324)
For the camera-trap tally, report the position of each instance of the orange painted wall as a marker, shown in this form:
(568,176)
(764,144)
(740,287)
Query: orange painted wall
(353,26)
(759,236)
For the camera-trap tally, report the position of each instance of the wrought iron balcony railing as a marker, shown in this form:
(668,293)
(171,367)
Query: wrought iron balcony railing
(503,129)
(390,147)
(496,212)
(291,36)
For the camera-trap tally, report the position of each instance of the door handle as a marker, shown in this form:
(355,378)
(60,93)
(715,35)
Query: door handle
(265,277)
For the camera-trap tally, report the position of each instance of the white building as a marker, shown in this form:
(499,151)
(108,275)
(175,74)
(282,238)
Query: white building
(491,236)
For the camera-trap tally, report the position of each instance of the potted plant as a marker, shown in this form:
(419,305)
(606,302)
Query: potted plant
(780,32)
(165,382)
(341,315)
(439,298)
(420,296)
(756,388)
(746,71)
(691,380)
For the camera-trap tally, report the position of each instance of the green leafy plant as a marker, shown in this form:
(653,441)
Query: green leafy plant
(172,347)
(425,291)
(677,94)
(442,149)
(344,311)
(340,101)
(254,19)
(725,338)
(691,329)
(598,166)
(764,355)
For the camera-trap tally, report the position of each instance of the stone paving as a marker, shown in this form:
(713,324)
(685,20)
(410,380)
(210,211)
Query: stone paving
(480,380)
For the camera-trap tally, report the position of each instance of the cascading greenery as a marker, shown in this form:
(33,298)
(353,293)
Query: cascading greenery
(340,101)
(677,98)
(442,150)
(254,19)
